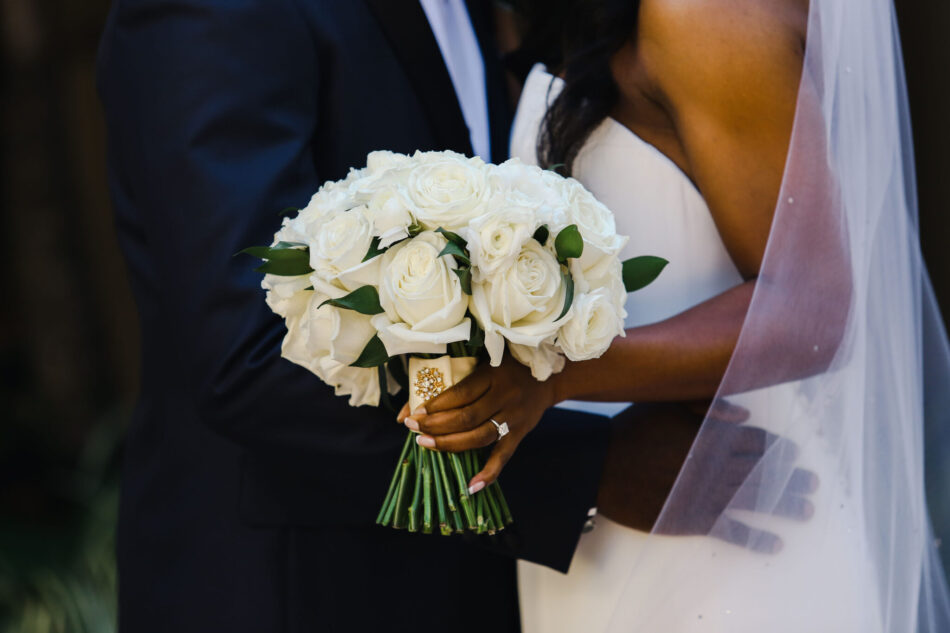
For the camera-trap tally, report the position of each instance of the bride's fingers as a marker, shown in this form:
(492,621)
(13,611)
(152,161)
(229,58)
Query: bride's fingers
(721,410)
(500,455)
(794,507)
(793,503)
(457,396)
(478,437)
(403,413)
(740,534)
(725,411)
(454,420)
(802,482)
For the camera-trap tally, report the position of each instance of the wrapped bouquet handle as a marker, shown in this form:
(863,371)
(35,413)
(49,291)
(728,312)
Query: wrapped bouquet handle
(429,486)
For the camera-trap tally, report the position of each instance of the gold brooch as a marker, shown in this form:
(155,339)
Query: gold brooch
(429,383)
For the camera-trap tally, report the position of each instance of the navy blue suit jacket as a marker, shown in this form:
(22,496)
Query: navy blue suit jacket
(250,490)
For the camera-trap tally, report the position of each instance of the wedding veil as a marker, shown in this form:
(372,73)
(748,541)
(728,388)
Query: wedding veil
(840,359)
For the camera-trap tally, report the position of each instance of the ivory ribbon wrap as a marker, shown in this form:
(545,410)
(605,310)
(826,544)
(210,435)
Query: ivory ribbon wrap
(428,377)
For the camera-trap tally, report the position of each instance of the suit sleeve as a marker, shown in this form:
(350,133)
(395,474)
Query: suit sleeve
(211,108)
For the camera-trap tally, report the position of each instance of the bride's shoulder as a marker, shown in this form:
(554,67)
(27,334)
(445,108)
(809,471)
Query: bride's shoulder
(704,42)
(701,24)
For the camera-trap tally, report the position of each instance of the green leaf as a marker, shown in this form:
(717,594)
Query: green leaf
(640,272)
(555,166)
(374,250)
(364,300)
(569,294)
(277,254)
(542,234)
(465,276)
(569,243)
(384,399)
(453,249)
(260,252)
(455,238)
(477,337)
(286,267)
(373,355)
(288,210)
(414,229)
(283,259)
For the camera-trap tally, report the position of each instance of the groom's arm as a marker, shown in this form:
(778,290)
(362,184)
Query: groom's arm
(211,108)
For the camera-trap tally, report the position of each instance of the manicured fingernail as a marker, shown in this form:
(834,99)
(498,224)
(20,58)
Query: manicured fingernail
(411,424)
(425,441)
(476,487)
(419,411)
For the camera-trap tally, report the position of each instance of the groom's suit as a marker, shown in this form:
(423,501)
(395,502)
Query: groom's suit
(250,490)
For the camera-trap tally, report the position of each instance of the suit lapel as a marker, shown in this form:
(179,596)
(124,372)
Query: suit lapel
(416,48)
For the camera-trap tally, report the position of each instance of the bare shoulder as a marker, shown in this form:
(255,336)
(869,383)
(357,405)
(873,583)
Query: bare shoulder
(728,72)
(684,43)
(711,19)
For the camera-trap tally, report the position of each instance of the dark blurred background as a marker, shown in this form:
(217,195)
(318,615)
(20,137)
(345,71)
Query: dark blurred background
(68,338)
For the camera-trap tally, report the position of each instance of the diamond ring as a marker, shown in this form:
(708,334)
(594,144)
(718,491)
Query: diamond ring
(502,428)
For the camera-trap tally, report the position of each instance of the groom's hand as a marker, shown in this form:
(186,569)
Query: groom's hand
(648,450)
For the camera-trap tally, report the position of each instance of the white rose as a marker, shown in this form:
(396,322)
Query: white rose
(390,216)
(360,384)
(496,238)
(543,360)
(381,161)
(325,340)
(532,187)
(337,333)
(282,291)
(299,229)
(385,170)
(596,321)
(521,303)
(333,196)
(597,227)
(446,190)
(422,298)
(294,345)
(337,249)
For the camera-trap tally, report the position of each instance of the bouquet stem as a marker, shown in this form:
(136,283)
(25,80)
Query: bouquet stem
(423,488)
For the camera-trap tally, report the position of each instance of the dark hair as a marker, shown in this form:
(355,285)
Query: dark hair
(541,26)
(593,30)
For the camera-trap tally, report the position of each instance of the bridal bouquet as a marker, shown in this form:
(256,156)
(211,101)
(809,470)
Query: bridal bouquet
(408,272)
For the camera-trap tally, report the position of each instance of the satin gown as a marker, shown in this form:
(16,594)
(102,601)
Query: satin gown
(682,584)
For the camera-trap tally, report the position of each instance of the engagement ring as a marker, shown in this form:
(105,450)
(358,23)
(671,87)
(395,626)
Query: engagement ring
(502,428)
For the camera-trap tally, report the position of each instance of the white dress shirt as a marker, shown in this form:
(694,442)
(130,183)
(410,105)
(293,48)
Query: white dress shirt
(453,31)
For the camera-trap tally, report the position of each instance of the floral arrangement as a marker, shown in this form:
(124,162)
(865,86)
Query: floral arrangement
(408,271)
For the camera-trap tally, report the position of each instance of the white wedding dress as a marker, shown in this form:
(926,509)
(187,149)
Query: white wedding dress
(664,215)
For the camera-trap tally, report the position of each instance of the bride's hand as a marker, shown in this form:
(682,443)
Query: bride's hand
(460,418)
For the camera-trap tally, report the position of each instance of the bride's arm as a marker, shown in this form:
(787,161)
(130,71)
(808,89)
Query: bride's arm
(728,73)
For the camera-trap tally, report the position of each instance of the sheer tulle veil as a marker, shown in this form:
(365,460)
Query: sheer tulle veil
(840,359)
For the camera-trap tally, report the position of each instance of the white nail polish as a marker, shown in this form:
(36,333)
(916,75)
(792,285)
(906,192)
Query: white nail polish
(419,411)
(473,489)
